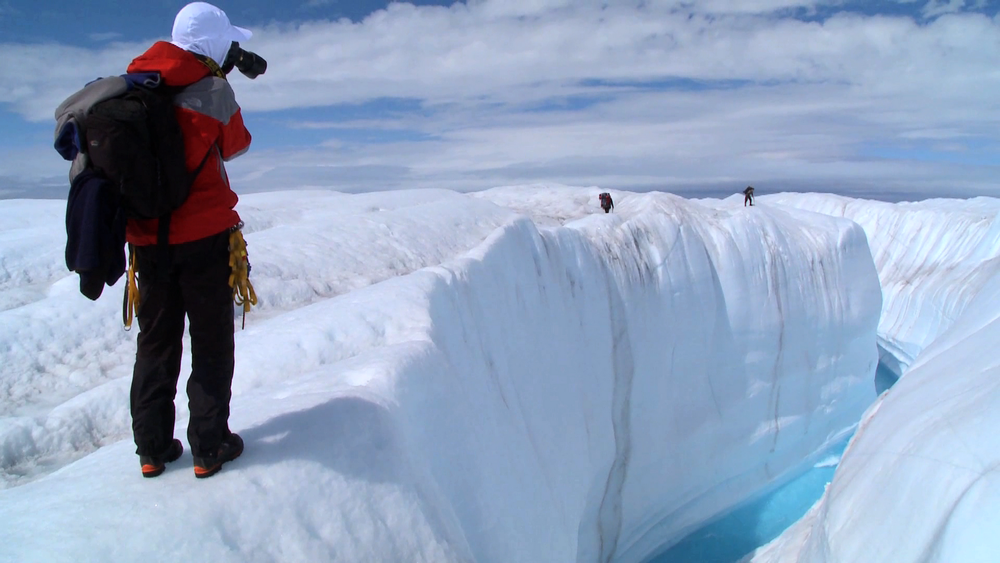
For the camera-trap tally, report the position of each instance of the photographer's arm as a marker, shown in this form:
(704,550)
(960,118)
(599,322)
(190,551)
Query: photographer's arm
(234,139)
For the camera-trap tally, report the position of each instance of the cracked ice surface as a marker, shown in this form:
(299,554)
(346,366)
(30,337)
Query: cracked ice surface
(434,378)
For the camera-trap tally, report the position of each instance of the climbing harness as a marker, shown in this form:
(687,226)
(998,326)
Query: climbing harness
(239,280)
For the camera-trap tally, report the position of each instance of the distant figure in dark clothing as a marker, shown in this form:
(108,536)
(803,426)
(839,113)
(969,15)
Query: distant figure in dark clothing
(606,204)
(748,196)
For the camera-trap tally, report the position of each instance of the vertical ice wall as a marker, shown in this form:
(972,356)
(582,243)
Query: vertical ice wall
(621,381)
(919,482)
(587,393)
(932,256)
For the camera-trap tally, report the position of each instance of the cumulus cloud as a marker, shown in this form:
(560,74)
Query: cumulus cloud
(34,79)
(319,3)
(107,36)
(937,7)
(666,90)
(465,54)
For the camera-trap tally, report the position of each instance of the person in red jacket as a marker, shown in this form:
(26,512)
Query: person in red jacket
(607,204)
(190,276)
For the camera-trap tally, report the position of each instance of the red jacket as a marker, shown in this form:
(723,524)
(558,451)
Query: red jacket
(211,121)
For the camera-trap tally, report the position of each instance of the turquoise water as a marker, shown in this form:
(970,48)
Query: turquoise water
(731,537)
(750,526)
(884,379)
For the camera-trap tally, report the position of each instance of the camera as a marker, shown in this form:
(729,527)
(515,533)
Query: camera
(250,64)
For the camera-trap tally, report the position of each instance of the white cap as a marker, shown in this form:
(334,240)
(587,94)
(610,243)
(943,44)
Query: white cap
(204,29)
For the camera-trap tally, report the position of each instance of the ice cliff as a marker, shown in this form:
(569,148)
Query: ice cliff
(933,258)
(919,482)
(586,392)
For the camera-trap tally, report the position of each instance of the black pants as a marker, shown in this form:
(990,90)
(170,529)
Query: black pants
(195,283)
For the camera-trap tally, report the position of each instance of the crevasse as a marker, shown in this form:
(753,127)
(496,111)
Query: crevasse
(589,392)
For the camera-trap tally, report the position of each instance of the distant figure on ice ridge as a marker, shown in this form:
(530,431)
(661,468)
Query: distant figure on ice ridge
(748,196)
(606,204)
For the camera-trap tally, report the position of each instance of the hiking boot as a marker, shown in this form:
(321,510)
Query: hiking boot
(155,464)
(230,449)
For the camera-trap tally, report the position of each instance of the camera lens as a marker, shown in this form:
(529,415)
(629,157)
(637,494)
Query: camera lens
(251,64)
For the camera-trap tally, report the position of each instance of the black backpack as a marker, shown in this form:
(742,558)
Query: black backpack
(134,141)
(133,165)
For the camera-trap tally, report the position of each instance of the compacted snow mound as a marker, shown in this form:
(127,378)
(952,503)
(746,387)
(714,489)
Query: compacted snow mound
(589,392)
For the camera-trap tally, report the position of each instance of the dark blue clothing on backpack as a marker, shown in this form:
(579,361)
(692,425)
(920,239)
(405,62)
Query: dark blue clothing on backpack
(95,234)
(67,142)
(95,227)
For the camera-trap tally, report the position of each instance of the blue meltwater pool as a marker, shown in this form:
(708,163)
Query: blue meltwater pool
(731,537)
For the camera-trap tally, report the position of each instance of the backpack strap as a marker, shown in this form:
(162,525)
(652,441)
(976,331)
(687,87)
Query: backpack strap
(163,248)
(163,227)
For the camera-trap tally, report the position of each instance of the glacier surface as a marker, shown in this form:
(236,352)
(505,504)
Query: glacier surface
(933,258)
(434,377)
(919,482)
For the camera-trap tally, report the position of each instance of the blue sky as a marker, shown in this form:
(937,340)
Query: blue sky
(888,98)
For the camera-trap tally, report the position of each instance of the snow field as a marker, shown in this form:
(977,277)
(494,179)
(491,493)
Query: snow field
(587,392)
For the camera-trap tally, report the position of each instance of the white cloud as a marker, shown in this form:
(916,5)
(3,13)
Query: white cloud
(319,3)
(467,54)
(102,37)
(751,6)
(935,8)
(800,94)
(35,79)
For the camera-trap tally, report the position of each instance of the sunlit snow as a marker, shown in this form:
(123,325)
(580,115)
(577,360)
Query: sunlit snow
(509,375)
(919,482)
